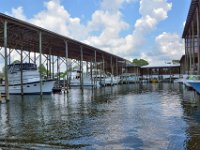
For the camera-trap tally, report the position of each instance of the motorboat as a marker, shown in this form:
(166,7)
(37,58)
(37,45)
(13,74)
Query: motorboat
(109,79)
(129,78)
(30,77)
(182,79)
(194,82)
(75,80)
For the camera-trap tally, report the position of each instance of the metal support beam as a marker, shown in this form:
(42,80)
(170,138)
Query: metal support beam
(198,42)
(193,48)
(81,69)
(21,71)
(111,67)
(190,51)
(6,61)
(95,68)
(40,60)
(67,67)
(58,70)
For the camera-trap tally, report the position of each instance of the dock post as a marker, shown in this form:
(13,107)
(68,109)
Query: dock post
(40,60)
(0,91)
(81,69)
(53,62)
(193,48)
(67,67)
(111,65)
(117,68)
(198,44)
(95,62)
(104,79)
(21,71)
(126,73)
(58,71)
(6,61)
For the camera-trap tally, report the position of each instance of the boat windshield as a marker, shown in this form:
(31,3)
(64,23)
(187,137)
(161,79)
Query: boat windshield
(17,67)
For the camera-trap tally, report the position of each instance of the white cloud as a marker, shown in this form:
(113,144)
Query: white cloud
(18,13)
(56,18)
(106,25)
(170,44)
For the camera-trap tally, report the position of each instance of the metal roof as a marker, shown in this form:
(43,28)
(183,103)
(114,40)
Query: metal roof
(25,36)
(161,66)
(193,5)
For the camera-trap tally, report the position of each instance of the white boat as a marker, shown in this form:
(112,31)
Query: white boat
(129,78)
(31,80)
(87,80)
(109,79)
(193,81)
(181,79)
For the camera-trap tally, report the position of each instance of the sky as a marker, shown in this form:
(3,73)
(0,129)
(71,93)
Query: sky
(147,29)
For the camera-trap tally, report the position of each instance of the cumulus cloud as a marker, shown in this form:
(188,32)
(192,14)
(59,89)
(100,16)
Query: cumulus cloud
(56,18)
(170,44)
(106,25)
(17,13)
(111,24)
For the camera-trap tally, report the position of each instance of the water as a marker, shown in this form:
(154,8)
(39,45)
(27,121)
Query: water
(148,116)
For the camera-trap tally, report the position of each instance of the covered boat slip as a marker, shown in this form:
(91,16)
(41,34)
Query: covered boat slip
(34,43)
(191,34)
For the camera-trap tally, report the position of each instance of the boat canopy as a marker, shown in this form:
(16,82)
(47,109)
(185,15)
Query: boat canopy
(13,68)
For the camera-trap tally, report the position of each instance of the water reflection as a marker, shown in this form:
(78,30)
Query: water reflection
(135,116)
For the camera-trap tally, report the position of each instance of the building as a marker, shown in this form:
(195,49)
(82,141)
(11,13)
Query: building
(133,69)
(160,72)
(183,65)
(191,35)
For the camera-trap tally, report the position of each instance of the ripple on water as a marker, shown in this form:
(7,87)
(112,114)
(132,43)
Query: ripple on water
(135,116)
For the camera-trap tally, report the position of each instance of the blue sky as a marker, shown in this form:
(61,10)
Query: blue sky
(148,29)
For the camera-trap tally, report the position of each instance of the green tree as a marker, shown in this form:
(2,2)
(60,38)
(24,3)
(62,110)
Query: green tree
(175,61)
(140,62)
(63,74)
(42,70)
(16,62)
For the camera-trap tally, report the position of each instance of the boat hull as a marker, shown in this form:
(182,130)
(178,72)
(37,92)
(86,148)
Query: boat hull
(86,83)
(31,88)
(195,84)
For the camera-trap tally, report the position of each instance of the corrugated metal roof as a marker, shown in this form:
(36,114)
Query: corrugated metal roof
(161,66)
(193,6)
(24,36)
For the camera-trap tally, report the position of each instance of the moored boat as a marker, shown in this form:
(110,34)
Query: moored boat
(30,80)
(194,82)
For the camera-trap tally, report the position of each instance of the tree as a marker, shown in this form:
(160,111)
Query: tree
(140,62)
(42,70)
(16,62)
(175,61)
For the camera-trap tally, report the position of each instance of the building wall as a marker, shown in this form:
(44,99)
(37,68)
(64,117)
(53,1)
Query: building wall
(160,71)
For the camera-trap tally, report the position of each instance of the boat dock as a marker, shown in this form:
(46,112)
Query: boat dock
(36,45)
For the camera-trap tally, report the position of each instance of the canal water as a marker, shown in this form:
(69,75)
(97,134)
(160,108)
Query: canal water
(146,116)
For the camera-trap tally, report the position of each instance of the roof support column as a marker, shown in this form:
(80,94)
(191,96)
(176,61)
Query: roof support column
(95,68)
(186,67)
(111,67)
(190,50)
(67,66)
(198,42)
(21,71)
(81,69)
(103,71)
(193,48)
(40,60)
(58,71)
(116,66)
(6,61)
